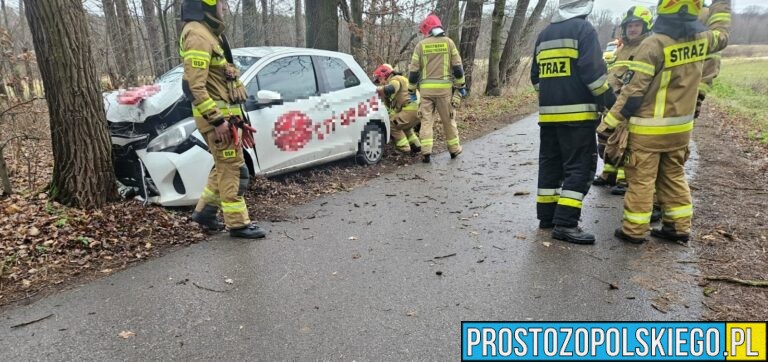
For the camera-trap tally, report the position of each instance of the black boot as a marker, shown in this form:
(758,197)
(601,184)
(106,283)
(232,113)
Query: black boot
(545,224)
(631,239)
(599,181)
(248,232)
(454,155)
(426,159)
(415,150)
(656,214)
(572,235)
(669,233)
(207,219)
(620,189)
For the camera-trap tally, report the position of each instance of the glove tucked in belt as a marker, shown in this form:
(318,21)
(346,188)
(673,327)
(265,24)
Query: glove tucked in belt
(234,85)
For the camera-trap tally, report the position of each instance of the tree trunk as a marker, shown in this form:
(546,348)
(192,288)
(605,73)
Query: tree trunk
(249,23)
(6,24)
(522,39)
(518,21)
(265,22)
(177,18)
(356,29)
(322,24)
(127,45)
(4,178)
(448,12)
(300,42)
(82,173)
(169,56)
(492,86)
(153,32)
(469,34)
(115,38)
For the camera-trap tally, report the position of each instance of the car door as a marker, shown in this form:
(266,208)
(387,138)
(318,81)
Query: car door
(286,132)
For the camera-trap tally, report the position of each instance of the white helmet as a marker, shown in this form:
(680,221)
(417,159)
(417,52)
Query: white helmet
(569,9)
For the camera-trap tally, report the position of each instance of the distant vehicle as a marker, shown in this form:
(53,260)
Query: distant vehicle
(609,55)
(309,107)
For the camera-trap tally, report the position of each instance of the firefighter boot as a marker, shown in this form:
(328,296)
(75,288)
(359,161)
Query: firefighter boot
(668,233)
(206,218)
(249,232)
(455,154)
(545,224)
(628,238)
(656,214)
(620,189)
(426,159)
(572,235)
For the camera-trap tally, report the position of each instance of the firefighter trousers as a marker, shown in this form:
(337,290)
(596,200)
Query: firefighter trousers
(614,175)
(567,161)
(401,125)
(664,171)
(431,107)
(227,183)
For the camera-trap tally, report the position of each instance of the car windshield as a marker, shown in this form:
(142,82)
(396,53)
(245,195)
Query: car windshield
(241,62)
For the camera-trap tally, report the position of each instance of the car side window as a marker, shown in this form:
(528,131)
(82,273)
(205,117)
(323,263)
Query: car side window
(293,77)
(337,74)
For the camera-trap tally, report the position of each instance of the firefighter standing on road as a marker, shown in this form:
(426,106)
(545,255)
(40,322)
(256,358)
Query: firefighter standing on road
(211,83)
(659,103)
(403,111)
(635,27)
(437,72)
(570,74)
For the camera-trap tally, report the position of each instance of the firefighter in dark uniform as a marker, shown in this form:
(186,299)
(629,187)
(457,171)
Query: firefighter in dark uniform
(211,83)
(569,72)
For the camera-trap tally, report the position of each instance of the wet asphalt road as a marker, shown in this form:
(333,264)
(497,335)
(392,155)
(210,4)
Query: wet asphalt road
(384,272)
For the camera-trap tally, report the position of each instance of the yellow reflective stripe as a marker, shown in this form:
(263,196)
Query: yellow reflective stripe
(217,62)
(209,195)
(620,175)
(558,43)
(713,56)
(637,217)
(413,138)
(719,17)
(446,65)
(568,117)
(233,207)
(196,53)
(603,88)
(402,142)
(599,86)
(205,106)
(669,121)
(661,96)
(572,195)
(569,202)
(608,168)
(548,192)
(453,141)
(210,2)
(226,111)
(662,130)
(679,212)
(413,106)
(569,108)
(547,199)
(415,57)
(557,53)
(427,141)
(224,107)
(429,85)
(635,66)
(459,81)
(611,121)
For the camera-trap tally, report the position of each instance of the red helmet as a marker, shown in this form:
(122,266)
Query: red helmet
(383,71)
(431,22)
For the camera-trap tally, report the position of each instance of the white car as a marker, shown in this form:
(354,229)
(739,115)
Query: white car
(309,107)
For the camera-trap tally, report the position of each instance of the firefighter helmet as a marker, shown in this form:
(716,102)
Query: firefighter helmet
(383,71)
(680,7)
(636,13)
(194,10)
(429,23)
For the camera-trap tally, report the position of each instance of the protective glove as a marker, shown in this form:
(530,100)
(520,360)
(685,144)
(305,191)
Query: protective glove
(237,91)
(601,150)
(247,139)
(223,132)
(456,99)
(463,92)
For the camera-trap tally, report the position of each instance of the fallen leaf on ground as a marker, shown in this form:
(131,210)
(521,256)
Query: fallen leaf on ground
(229,281)
(353,238)
(547,243)
(126,334)
(33,231)
(521,193)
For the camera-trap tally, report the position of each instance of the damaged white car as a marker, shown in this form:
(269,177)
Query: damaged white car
(308,106)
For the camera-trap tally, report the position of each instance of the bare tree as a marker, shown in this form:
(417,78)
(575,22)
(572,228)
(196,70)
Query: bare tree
(153,31)
(127,46)
(322,24)
(249,23)
(356,27)
(470,32)
(510,59)
(264,22)
(299,23)
(448,12)
(82,173)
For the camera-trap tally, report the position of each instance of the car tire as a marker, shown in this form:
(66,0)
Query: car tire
(370,149)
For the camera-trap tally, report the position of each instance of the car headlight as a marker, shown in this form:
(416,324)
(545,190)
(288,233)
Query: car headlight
(172,137)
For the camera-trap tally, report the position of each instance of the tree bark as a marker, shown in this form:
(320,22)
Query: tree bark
(518,21)
(82,173)
(265,22)
(169,57)
(448,12)
(522,40)
(298,6)
(322,24)
(127,45)
(153,33)
(6,24)
(356,29)
(249,23)
(113,31)
(469,34)
(492,85)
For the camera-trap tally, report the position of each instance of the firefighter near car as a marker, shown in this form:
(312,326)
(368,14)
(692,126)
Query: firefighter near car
(569,72)
(436,71)
(658,105)
(211,83)
(635,26)
(403,109)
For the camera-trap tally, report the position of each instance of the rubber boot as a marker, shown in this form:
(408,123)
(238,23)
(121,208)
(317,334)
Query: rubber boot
(656,214)
(248,232)
(415,150)
(573,235)
(599,181)
(426,159)
(544,224)
(630,239)
(668,233)
(207,219)
(454,155)
(620,189)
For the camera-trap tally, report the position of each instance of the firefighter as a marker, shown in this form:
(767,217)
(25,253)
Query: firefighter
(437,72)
(635,26)
(570,74)
(710,71)
(658,103)
(403,111)
(211,83)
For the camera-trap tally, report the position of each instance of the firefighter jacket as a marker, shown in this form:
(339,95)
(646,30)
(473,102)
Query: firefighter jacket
(570,74)
(205,79)
(623,63)
(711,64)
(436,66)
(396,95)
(660,99)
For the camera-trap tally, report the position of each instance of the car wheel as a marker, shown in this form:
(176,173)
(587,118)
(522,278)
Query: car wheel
(371,145)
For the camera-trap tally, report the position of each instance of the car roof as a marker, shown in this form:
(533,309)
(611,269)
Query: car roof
(262,52)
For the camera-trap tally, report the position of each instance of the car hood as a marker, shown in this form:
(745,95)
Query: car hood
(149,101)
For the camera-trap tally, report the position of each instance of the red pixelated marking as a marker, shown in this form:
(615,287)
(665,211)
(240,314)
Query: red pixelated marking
(292,131)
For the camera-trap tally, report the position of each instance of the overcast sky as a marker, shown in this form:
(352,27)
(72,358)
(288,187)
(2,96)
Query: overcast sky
(622,5)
